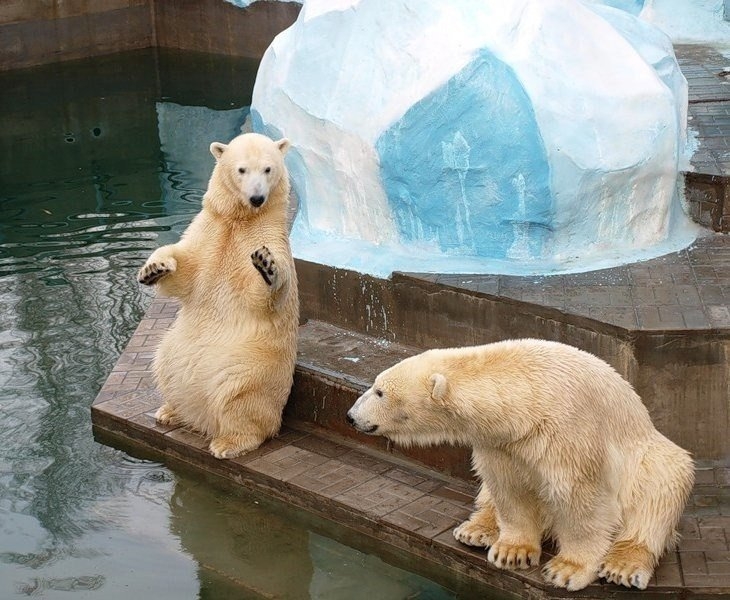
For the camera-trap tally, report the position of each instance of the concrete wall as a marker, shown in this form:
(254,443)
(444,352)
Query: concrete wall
(47,31)
(219,27)
(682,377)
(35,33)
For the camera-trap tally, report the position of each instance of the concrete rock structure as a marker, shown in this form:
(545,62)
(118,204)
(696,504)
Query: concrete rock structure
(457,137)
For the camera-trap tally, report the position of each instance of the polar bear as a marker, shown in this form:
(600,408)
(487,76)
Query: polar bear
(226,366)
(562,445)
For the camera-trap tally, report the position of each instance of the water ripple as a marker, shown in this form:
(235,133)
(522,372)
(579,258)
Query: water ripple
(37,586)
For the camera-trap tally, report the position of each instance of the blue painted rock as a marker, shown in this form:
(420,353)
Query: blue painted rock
(514,136)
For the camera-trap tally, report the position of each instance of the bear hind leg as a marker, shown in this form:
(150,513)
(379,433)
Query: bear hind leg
(243,422)
(659,493)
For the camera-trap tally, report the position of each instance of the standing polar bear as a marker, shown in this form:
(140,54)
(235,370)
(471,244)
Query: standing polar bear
(226,366)
(563,446)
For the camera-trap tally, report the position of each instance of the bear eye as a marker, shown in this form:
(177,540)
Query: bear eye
(267,170)
(241,170)
(379,393)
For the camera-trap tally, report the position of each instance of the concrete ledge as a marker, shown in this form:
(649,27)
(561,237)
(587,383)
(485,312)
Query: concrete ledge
(409,501)
(664,324)
(409,508)
(708,199)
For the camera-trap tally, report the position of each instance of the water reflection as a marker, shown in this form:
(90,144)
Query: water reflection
(95,172)
(246,539)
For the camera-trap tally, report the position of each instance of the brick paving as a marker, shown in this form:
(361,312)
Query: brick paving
(707,182)
(708,77)
(686,290)
(400,503)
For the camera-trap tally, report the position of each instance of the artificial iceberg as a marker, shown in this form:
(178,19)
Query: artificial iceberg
(502,136)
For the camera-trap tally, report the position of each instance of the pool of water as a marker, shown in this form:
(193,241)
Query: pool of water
(102,161)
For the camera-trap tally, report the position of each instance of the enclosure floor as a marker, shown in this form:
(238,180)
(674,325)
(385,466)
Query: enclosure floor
(707,181)
(708,79)
(400,503)
(683,291)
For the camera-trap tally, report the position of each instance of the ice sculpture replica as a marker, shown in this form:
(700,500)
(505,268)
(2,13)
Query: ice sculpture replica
(485,136)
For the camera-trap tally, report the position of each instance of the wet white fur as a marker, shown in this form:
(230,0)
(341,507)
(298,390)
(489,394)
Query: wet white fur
(562,444)
(226,365)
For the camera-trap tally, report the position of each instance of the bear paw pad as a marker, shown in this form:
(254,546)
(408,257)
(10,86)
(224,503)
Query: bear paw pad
(569,574)
(514,556)
(153,271)
(630,565)
(263,260)
(474,533)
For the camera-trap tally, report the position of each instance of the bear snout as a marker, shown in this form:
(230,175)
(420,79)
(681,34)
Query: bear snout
(257,201)
(364,428)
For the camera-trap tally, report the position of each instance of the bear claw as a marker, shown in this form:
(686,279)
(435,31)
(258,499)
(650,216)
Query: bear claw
(565,573)
(628,564)
(513,556)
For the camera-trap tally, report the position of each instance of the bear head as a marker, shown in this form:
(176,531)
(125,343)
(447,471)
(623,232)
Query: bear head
(250,168)
(408,403)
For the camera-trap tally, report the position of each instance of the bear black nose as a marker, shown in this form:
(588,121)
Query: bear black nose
(257,200)
(350,420)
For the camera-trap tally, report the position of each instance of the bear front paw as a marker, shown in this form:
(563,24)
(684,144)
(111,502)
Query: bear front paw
(514,556)
(154,270)
(165,415)
(263,260)
(568,574)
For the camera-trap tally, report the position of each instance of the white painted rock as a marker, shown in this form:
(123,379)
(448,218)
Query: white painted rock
(513,136)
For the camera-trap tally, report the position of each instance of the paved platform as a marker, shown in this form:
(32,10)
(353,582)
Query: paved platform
(708,181)
(686,290)
(377,491)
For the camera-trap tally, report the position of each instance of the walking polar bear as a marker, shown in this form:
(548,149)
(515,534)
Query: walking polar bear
(563,446)
(226,366)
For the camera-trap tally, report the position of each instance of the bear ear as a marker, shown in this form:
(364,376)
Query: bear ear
(217,149)
(283,145)
(439,387)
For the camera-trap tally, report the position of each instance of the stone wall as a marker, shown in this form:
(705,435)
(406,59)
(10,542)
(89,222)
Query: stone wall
(35,33)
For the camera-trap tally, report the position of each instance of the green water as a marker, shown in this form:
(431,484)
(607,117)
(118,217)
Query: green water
(102,161)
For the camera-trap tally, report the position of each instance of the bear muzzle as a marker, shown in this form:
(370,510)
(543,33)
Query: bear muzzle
(359,426)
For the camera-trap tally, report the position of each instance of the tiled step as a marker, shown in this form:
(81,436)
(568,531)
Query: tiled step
(707,183)
(318,464)
(334,366)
